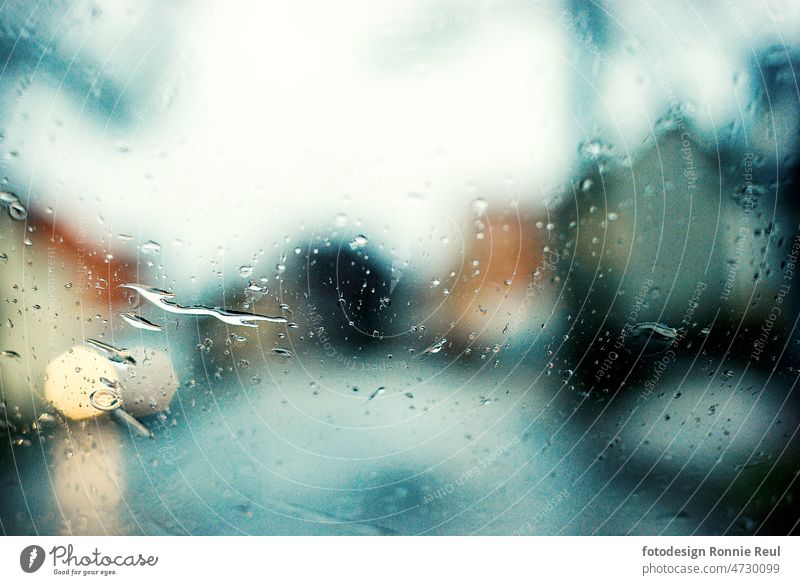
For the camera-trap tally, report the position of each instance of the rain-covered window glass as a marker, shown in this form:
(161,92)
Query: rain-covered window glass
(424,267)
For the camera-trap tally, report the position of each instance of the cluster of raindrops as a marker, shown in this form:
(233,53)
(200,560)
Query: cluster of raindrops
(479,207)
(598,152)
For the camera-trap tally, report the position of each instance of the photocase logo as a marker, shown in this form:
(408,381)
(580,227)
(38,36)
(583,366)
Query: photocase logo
(31,558)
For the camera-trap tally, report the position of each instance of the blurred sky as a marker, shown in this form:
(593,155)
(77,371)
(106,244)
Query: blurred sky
(208,125)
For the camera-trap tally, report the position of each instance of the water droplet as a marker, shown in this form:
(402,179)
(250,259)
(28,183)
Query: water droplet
(656,337)
(150,248)
(436,347)
(245,271)
(7,198)
(105,399)
(17,211)
(281,352)
(254,287)
(377,393)
(358,242)
(164,300)
(479,205)
(110,383)
(131,422)
(119,356)
(140,322)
